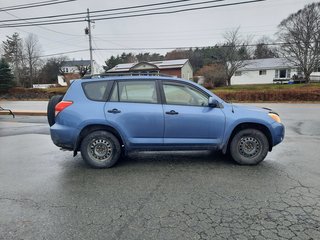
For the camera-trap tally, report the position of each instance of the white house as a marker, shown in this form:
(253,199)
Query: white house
(71,70)
(269,70)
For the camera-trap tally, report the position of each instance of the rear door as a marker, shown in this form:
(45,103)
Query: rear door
(134,109)
(188,118)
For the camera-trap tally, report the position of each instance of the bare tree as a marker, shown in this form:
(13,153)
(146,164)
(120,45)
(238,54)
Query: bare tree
(51,69)
(32,55)
(300,33)
(214,75)
(234,53)
(83,70)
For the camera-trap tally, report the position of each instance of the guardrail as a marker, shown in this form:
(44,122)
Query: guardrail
(6,110)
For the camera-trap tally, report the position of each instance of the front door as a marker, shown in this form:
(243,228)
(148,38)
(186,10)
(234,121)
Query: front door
(188,118)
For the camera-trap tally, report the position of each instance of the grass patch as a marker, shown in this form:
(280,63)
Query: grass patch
(19,93)
(57,90)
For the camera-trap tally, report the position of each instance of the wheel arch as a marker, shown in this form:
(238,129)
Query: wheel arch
(95,127)
(246,125)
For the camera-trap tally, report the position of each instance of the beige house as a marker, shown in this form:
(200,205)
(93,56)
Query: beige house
(180,68)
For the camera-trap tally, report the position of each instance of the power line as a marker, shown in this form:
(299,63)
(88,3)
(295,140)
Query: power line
(42,27)
(61,53)
(128,12)
(35,5)
(28,4)
(98,53)
(130,16)
(108,41)
(98,11)
(187,48)
(169,37)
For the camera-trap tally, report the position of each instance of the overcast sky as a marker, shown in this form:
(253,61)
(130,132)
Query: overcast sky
(187,29)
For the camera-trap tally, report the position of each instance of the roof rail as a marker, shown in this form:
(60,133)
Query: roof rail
(124,74)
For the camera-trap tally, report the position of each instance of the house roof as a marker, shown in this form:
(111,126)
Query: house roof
(266,63)
(76,63)
(125,67)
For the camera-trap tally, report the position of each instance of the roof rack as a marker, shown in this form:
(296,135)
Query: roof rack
(124,74)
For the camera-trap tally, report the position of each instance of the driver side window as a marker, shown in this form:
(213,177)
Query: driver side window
(184,95)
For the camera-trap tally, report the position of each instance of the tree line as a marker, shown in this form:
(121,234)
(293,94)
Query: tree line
(299,35)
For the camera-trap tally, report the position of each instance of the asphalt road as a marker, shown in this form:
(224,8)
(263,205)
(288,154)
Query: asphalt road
(47,194)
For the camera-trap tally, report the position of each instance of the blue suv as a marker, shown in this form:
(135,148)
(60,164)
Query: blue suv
(108,117)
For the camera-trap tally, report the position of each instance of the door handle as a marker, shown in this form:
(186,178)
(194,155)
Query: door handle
(172,112)
(114,111)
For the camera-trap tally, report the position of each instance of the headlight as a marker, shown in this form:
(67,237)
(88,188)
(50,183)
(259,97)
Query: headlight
(275,117)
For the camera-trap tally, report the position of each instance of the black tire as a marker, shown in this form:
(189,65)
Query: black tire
(100,149)
(51,109)
(249,147)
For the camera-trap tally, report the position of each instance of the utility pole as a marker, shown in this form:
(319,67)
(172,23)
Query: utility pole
(88,32)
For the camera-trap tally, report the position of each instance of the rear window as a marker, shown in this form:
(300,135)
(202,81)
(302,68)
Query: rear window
(135,91)
(97,91)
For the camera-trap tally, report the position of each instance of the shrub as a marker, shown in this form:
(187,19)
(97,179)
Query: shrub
(273,95)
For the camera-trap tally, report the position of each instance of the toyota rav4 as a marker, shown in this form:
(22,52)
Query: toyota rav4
(108,117)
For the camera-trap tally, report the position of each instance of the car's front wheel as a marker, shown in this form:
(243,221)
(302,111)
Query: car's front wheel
(249,147)
(100,149)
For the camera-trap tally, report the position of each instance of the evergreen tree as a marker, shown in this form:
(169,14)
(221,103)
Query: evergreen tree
(13,54)
(6,77)
(112,62)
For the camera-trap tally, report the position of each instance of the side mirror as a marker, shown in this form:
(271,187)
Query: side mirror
(213,103)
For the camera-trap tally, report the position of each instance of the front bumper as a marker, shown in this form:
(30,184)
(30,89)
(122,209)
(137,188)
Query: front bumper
(278,133)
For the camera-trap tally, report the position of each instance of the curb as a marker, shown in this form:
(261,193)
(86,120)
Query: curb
(24,113)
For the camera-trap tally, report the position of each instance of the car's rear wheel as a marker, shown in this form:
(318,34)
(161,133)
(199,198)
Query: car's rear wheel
(100,149)
(51,108)
(249,147)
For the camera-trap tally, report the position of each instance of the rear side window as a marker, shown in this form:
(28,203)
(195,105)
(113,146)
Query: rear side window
(135,91)
(97,91)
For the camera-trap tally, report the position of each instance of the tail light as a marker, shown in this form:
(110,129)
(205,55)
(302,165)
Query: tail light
(61,106)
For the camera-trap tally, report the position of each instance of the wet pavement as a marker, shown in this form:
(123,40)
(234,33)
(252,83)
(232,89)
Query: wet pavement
(47,194)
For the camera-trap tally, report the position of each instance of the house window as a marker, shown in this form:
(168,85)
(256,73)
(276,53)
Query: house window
(66,70)
(282,73)
(289,73)
(238,73)
(263,72)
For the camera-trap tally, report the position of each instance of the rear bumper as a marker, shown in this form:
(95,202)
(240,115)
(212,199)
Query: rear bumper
(63,136)
(278,133)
